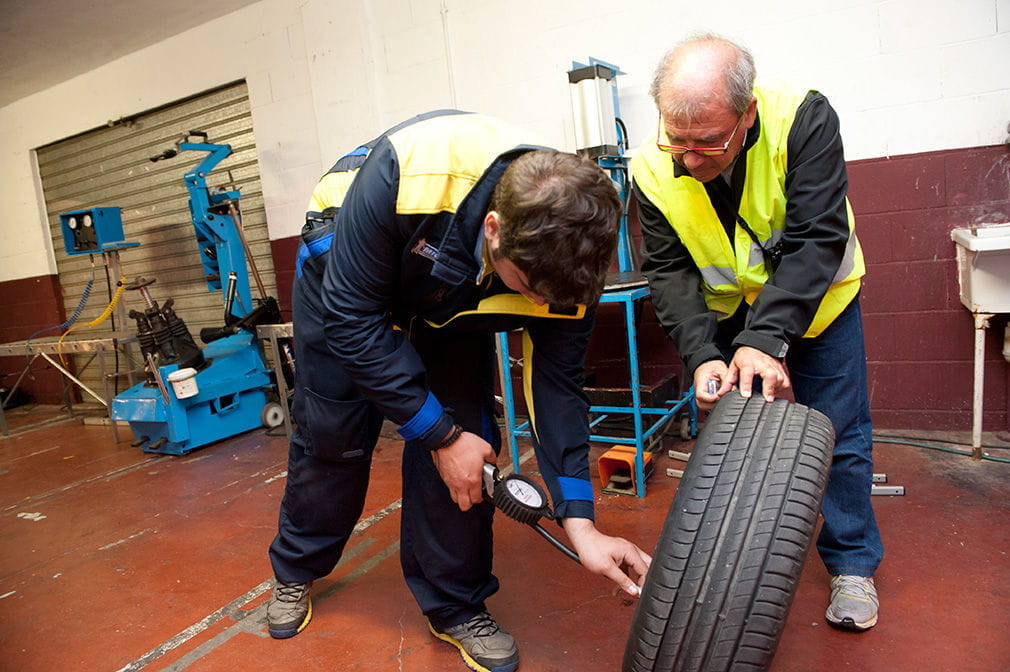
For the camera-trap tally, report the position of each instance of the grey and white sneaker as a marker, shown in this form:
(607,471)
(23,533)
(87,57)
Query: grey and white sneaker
(484,645)
(854,602)
(289,609)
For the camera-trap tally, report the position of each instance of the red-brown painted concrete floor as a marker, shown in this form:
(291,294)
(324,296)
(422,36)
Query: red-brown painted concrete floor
(113,559)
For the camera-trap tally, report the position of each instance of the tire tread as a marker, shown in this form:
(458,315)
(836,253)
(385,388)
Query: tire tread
(728,559)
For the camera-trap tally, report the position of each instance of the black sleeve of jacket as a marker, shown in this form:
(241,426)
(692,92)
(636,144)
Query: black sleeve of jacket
(675,284)
(358,288)
(561,407)
(815,235)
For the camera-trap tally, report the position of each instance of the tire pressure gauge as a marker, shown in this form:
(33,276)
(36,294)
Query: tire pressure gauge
(522,499)
(524,492)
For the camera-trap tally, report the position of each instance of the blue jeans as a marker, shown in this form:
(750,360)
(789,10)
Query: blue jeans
(828,373)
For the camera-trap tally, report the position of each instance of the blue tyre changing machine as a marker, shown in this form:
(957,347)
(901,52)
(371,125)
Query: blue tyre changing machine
(194,395)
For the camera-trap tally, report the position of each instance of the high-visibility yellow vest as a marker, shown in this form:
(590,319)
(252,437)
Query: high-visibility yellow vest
(735,272)
(441,156)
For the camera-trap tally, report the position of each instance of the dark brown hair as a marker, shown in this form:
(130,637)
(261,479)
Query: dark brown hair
(559,215)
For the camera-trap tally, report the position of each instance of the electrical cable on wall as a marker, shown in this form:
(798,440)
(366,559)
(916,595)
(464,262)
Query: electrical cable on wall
(447,43)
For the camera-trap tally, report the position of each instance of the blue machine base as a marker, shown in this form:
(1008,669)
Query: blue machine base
(230,401)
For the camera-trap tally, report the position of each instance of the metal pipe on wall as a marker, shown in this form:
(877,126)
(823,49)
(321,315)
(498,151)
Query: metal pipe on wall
(1006,355)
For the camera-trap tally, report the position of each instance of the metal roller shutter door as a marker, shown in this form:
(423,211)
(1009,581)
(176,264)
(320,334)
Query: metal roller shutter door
(111,167)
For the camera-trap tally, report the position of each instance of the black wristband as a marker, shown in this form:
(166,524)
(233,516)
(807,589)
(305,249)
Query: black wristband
(456,432)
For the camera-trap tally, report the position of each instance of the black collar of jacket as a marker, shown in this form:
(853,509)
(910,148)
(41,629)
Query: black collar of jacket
(457,261)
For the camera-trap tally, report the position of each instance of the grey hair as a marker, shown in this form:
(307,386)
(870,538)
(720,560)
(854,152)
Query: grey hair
(739,80)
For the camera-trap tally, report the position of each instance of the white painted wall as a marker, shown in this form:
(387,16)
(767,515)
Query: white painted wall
(262,43)
(906,76)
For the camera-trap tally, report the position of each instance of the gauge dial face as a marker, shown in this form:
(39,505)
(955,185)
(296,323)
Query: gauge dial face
(524,493)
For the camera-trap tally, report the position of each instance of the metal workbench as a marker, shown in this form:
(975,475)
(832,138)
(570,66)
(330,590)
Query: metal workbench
(46,347)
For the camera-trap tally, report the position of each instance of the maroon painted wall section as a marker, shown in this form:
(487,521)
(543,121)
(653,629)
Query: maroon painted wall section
(284,252)
(919,338)
(26,306)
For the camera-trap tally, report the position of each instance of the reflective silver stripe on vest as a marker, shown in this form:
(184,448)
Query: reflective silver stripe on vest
(715,276)
(848,260)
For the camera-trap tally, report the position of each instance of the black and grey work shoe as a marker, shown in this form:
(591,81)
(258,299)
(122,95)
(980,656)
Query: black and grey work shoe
(484,645)
(289,609)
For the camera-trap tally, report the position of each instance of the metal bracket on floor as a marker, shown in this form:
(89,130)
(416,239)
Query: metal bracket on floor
(677,455)
(885,489)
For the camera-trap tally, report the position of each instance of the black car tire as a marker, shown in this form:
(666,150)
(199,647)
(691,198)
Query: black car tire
(729,557)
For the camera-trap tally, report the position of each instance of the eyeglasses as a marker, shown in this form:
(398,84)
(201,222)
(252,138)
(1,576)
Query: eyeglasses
(680,150)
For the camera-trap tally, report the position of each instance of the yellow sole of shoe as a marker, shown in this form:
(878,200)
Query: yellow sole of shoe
(470,662)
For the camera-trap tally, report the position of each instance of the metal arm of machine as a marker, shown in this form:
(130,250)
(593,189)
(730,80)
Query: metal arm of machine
(214,212)
(221,248)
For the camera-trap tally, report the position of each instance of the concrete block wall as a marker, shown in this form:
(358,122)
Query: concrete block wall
(919,337)
(910,78)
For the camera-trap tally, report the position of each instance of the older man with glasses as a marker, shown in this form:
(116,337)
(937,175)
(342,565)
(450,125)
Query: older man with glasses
(754,267)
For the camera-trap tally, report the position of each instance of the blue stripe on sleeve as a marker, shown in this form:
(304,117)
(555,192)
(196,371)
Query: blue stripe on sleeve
(423,420)
(576,489)
(312,249)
